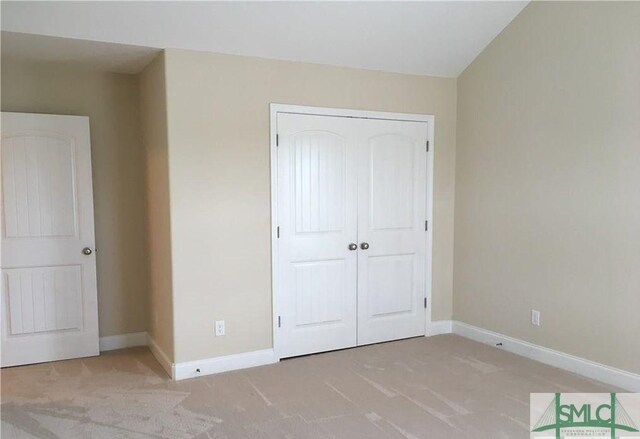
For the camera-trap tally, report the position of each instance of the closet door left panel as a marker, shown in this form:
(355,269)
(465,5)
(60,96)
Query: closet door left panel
(317,220)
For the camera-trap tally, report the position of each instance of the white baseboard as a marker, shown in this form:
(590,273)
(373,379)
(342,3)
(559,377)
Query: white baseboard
(123,341)
(162,358)
(192,369)
(208,366)
(440,327)
(590,369)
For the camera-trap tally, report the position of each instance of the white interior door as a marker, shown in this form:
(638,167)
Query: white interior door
(391,230)
(317,207)
(49,296)
(351,247)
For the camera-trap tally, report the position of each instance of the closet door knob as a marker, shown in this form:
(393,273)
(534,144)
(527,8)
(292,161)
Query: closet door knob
(364,245)
(353,246)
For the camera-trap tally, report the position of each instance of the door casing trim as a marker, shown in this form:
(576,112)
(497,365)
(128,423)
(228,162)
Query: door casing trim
(359,114)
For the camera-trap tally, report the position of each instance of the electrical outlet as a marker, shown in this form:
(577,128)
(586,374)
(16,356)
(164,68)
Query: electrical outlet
(535,317)
(219,328)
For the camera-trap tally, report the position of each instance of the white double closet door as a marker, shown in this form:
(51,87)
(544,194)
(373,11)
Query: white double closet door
(351,211)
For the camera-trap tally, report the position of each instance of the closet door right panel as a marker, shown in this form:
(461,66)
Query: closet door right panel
(391,230)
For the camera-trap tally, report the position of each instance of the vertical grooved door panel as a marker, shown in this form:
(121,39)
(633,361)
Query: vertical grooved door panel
(38,174)
(319,182)
(36,293)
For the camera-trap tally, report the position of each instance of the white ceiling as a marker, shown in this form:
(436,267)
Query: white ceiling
(425,38)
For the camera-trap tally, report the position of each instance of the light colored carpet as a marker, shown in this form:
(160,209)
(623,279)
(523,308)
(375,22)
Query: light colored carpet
(437,387)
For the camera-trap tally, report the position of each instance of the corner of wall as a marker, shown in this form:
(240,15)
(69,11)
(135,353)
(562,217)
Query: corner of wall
(153,109)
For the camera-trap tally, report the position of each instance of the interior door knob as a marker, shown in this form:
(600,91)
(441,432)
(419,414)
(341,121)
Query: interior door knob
(364,245)
(353,246)
(87,251)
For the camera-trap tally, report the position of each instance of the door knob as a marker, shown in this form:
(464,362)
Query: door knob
(353,246)
(364,245)
(87,251)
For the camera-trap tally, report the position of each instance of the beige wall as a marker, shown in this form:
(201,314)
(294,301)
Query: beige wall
(153,105)
(218,115)
(548,182)
(111,102)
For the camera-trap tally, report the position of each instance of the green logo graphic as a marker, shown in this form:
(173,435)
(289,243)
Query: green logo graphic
(608,415)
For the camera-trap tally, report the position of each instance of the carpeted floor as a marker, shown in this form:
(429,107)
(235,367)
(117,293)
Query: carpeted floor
(437,387)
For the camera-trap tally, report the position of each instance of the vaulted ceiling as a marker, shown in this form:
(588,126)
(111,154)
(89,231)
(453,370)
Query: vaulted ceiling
(424,38)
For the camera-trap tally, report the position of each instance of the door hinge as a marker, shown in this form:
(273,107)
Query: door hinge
(427,146)
(278,232)
(426,225)
(279,321)
(425,302)
(277,140)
